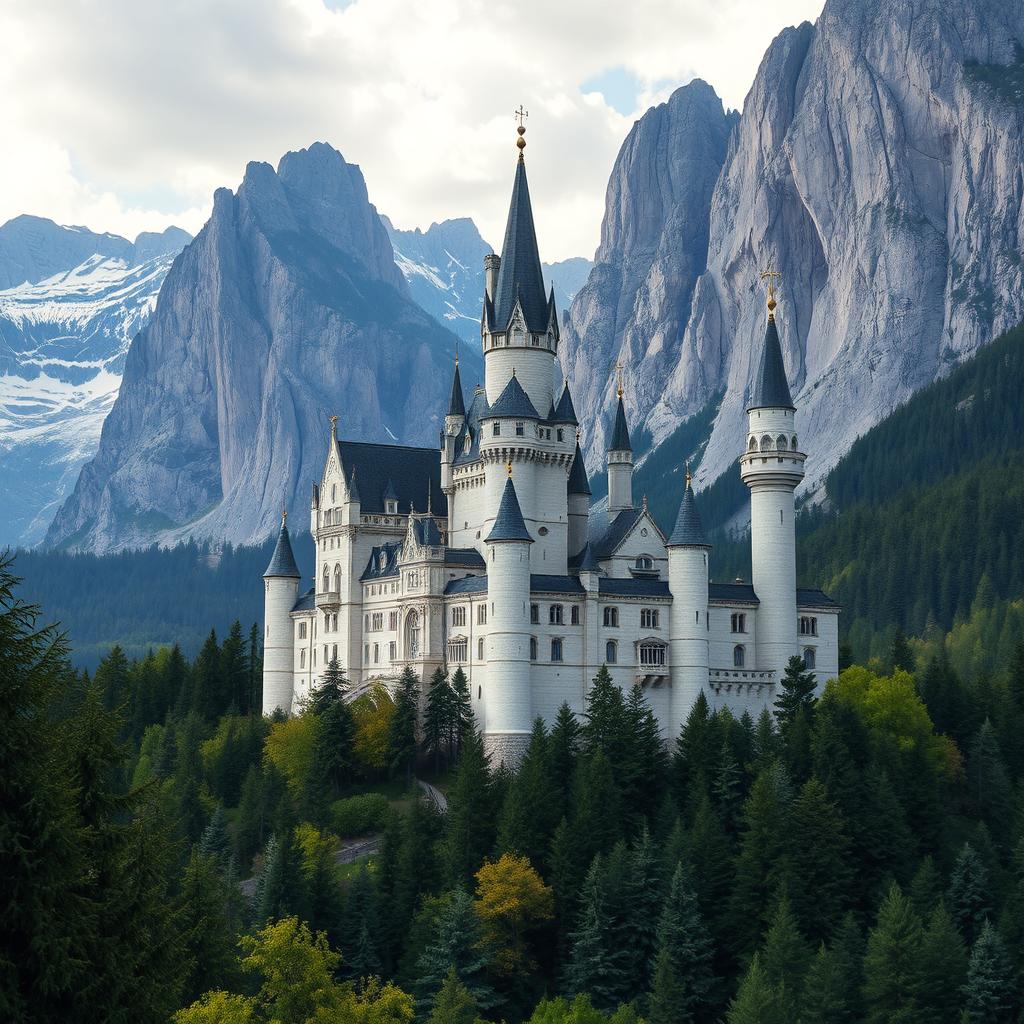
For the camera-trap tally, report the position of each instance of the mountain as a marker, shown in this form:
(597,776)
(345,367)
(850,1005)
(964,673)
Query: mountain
(287,307)
(444,268)
(876,164)
(65,327)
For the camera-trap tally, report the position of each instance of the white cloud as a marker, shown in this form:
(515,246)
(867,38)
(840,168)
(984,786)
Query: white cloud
(126,115)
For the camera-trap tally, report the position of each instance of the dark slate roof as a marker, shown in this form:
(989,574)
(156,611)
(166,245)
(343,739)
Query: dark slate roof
(426,532)
(771,389)
(412,474)
(578,483)
(520,277)
(587,562)
(477,410)
(688,530)
(542,584)
(806,597)
(509,525)
(620,434)
(467,585)
(513,403)
(282,562)
(307,602)
(605,543)
(353,488)
(464,556)
(456,406)
(732,593)
(632,588)
(390,494)
(374,570)
(565,411)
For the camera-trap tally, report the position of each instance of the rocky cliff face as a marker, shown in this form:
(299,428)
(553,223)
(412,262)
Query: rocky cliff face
(286,308)
(877,163)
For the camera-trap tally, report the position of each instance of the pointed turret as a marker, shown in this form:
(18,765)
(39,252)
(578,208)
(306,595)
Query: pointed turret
(509,524)
(565,411)
(620,432)
(281,589)
(513,403)
(456,405)
(282,562)
(578,482)
(688,532)
(588,560)
(620,461)
(771,388)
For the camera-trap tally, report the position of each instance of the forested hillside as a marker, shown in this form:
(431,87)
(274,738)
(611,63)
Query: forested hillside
(167,851)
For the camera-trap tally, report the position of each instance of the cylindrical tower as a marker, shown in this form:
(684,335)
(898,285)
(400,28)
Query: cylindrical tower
(281,590)
(508,714)
(620,464)
(772,466)
(689,660)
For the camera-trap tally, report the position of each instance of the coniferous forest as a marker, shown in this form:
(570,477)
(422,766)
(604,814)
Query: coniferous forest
(169,854)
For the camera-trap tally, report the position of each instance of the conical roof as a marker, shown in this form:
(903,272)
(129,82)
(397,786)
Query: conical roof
(588,560)
(456,406)
(513,403)
(565,411)
(282,562)
(688,530)
(620,434)
(520,278)
(509,524)
(578,482)
(771,389)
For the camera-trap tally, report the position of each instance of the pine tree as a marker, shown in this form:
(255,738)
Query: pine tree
(969,900)
(334,762)
(563,752)
(254,665)
(526,823)
(786,957)
(112,678)
(593,968)
(900,654)
(454,1003)
(708,852)
(438,718)
(209,697)
(360,929)
(990,992)
(645,759)
(694,754)
(926,888)
(756,1001)
(797,693)
(281,891)
(234,670)
(596,807)
(329,691)
(988,782)
(644,892)
(943,969)
(823,998)
(892,963)
(606,725)
(401,749)
(470,832)
(463,721)
(215,842)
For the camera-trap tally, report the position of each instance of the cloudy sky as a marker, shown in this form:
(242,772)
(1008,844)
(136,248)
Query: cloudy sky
(125,115)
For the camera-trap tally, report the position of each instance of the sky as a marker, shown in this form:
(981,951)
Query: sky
(125,115)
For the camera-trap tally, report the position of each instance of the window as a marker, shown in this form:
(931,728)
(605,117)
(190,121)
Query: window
(809,657)
(334,652)
(645,563)
(792,443)
(382,562)
(739,622)
(337,578)
(556,649)
(560,434)
(377,622)
(392,620)
(302,659)
(480,649)
(766,443)
(366,622)
(753,444)
(458,649)
(459,615)
(412,635)
(327,580)
(376,654)
(481,615)
(652,655)
(390,509)
(534,613)
(611,652)
(392,651)
(808,625)
(574,614)
(496,430)
(780,442)
(648,618)
(533,648)
(334,492)
(302,631)
(366,654)
(326,659)
(611,617)
(520,429)
(555,615)
(739,656)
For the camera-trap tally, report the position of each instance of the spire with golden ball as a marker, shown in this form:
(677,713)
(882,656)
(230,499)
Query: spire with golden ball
(521,115)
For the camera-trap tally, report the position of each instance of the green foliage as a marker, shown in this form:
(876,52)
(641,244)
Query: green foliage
(893,961)
(357,815)
(401,741)
(990,991)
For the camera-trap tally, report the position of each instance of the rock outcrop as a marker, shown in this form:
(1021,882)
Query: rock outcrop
(288,307)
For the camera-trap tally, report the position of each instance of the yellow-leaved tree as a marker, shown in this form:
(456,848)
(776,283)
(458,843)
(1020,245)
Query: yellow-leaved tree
(289,748)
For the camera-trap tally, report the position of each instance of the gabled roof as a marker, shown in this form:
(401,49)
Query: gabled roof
(513,403)
(520,278)
(411,474)
(578,483)
(606,543)
(464,556)
(477,410)
(771,389)
(509,524)
(688,530)
(282,562)
(375,569)
(456,406)
(565,412)
(620,433)
(809,598)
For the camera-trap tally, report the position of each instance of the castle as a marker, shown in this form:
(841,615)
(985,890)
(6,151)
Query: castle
(487,556)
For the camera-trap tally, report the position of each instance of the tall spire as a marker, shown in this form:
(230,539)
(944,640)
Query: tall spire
(509,523)
(688,530)
(620,434)
(456,405)
(520,278)
(771,388)
(577,482)
(282,562)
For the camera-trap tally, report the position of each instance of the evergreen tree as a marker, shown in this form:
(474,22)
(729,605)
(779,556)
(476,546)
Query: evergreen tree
(334,764)
(215,842)
(797,693)
(988,782)
(644,892)
(709,854)
(526,823)
(470,832)
(606,723)
(234,670)
(360,929)
(823,1000)
(209,698)
(892,963)
(281,891)
(943,969)
(593,967)
(990,992)
(969,900)
(900,654)
(438,718)
(926,888)
(401,748)
(645,757)
(454,1003)
(596,807)
(330,690)
(254,665)
(694,754)
(463,721)
(756,1001)
(563,751)
(786,957)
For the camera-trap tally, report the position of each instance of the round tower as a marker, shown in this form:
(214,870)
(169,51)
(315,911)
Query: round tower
(772,466)
(689,660)
(280,592)
(508,715)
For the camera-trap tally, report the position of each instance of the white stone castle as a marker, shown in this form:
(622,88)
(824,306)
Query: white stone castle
(486,555)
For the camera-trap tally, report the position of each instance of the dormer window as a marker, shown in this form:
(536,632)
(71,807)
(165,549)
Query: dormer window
(390,509)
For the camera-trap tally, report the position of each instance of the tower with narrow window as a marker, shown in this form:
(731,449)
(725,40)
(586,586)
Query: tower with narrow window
(772,466)
(280,592)
(620,463)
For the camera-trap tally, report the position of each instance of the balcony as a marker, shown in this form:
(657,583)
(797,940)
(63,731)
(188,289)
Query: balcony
(740,680)
(328,599)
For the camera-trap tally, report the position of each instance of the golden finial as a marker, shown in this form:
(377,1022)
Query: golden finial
(689,478)
(770,276)
(334,425)
(508,466)
(284,518)
(521,115)
(618,378)
(456,352)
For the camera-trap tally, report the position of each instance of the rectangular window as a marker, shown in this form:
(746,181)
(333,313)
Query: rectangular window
(556,649)
(302,659)
(648,618)
(611,616)
(481,615)
(457,650)
(739,622)
(378,621)
(459,615)
(652,655)
(334,652)
(534,613)
(533,648)
(520,429)
(574,615)
(555,615)
(496,430)
(376,653)
(302,631)
(392,650)
(366,654)
(392,620)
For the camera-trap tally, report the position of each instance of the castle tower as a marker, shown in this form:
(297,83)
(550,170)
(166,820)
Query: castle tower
(772,466)
(280,592)
(620,464)
(454,422)
(688,551)
(578,494)
(508,715)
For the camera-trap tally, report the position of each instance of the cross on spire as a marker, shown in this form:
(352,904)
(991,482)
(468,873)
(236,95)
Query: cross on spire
(334,425)
(521,115)
(771,275)
(618,378)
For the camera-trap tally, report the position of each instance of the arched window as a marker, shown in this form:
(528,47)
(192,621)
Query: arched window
(334,492)
(792,443)
(753,445)
(780,442)
(555,615)
(327,579)
(480,649)
(302,659)
(337,578)
(611,616)
(556,649)
(766,443)
(809,658)
(644,562)
(739,656)
(412,635)
(611,652)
